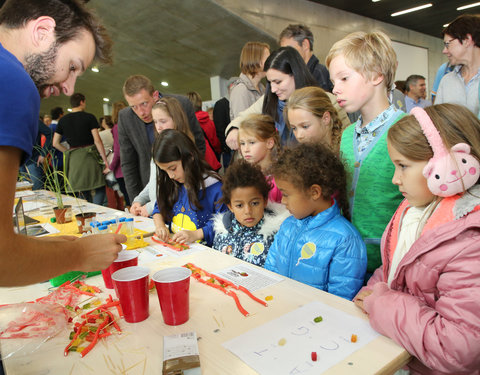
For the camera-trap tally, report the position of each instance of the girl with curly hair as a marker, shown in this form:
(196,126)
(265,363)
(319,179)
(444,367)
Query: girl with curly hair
(247,230)
(316,245)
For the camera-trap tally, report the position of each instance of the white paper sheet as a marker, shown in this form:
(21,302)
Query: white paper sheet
(24,193)
(144,223)
(194,247)
(151,254)
(49,228)
(262,349)
(33,205)
(249,277)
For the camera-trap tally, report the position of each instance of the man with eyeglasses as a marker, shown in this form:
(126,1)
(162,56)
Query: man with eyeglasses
(462,47)
(136,131)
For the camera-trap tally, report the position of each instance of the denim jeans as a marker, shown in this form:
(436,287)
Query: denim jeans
(98,198)
(34,174)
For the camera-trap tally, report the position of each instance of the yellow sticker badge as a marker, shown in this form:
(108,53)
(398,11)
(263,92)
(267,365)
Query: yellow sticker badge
(308,251)
(182,222)
(257,248)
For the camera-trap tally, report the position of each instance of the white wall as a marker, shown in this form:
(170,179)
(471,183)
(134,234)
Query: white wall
(328,25)
(411,60)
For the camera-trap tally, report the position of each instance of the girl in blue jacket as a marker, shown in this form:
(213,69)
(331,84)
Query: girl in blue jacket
(316,245)
(187,190)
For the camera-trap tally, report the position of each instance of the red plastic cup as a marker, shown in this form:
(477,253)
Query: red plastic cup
(131,286)
(125,258)
(173,286)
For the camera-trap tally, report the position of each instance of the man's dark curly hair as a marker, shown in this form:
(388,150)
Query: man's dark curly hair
(243,174)
(308,164)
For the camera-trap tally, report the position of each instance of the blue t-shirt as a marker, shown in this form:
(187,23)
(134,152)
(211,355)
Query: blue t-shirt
(19,105)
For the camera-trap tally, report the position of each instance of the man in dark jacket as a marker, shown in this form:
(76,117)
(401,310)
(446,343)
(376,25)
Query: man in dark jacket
(136,131)
(301,38)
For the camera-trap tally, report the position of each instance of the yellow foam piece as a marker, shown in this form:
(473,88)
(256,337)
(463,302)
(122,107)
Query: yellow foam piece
(134,241)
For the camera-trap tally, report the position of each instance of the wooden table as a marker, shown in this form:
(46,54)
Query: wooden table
(213,316)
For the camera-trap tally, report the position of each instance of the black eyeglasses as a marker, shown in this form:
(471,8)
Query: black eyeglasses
(446,44)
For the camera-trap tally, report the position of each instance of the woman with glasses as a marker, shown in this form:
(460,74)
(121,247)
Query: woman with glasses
(462,47)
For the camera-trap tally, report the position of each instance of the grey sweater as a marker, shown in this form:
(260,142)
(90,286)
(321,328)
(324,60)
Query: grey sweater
(453,90)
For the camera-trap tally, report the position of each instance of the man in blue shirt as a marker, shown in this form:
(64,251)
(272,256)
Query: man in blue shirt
(416,89)
(44,46)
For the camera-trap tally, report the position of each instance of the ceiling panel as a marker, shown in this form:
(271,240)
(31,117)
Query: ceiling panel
(428,21)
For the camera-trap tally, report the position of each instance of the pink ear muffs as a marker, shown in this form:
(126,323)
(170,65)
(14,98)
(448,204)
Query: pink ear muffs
(448,172)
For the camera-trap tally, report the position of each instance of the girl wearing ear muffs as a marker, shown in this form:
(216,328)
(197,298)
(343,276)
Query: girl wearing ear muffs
(426,295)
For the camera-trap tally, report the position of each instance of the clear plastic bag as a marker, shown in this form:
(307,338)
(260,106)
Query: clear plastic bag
(24,327)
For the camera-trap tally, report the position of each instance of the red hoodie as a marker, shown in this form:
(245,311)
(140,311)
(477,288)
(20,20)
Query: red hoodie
(209,129)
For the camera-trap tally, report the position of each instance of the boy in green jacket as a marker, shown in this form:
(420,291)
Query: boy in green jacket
(362,68)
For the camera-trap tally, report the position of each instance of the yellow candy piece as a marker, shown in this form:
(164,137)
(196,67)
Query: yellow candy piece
(282,342)
(268,298)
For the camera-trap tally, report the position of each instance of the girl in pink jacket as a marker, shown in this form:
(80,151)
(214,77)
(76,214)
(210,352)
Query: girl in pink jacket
(426,295)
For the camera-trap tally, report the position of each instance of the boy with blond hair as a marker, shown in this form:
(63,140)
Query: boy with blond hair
(362,68)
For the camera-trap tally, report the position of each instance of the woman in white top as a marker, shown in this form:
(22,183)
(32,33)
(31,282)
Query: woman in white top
(462,47)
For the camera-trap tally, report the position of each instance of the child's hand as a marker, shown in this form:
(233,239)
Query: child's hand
(358,300)
(135,208)
(162,233)
(188,236)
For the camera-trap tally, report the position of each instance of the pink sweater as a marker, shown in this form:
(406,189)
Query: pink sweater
(432,308)
(275,195)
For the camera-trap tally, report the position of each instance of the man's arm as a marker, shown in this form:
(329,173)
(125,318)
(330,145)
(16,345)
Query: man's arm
(56,142)
(128,155)
(26,260)
(100,149)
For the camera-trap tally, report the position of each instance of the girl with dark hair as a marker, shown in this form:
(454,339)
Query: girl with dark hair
(286,71)
(188,190)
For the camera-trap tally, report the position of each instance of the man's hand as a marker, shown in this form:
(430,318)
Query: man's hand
(40,160)
(97,252)
(232,139)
